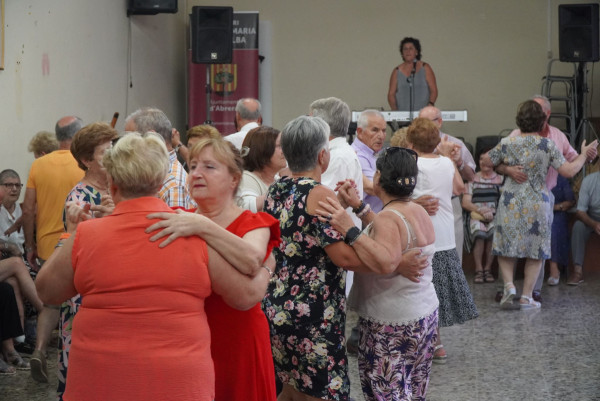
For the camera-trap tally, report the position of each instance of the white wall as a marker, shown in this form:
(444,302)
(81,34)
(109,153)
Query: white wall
(85,44)
(487,55)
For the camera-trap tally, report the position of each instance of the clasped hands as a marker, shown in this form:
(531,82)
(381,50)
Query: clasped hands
(450,149)
(334,212)
(77,211)
(487,213)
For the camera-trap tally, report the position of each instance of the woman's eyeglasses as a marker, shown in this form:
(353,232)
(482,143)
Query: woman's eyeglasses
(10,185)
(394,149)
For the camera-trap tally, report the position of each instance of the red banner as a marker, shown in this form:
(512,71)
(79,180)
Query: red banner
(228,82)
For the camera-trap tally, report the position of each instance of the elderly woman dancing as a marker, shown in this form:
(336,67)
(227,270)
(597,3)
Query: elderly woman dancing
(135,295)
(398,314)
(439,177)
(240,340)
(524,215)
(305,302)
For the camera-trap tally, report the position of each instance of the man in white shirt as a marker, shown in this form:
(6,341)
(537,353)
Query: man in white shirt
(247,117)
(343,164)
(343,161)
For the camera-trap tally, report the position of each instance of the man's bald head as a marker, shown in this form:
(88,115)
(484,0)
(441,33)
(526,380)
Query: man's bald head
(67,127)
(545,103)
(247,110)
(432,113)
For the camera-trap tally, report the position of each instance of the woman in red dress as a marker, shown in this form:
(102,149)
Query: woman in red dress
(240,340)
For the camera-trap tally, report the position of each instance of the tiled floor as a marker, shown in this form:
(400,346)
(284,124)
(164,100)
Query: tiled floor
(546,355)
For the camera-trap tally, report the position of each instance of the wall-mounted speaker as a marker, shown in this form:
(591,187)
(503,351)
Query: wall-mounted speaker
(212,35)
(151,7)
(578,34)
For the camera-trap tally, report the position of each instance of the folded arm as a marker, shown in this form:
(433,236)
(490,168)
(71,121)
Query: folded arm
(238,290)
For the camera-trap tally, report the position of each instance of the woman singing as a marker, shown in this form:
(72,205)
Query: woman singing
(413,72)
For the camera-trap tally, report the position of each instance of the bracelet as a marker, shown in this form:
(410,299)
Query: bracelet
(359,208)
(269,270)
(178,147)
(61,238)
(5,246)
(364,212)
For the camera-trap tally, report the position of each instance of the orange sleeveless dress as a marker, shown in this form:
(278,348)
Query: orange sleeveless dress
(141,332)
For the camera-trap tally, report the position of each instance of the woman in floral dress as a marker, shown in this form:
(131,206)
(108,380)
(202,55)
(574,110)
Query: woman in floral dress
(523,217)
(305,302)
(88,147)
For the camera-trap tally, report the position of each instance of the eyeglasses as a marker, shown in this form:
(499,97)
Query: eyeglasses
(10,185)
(394,149)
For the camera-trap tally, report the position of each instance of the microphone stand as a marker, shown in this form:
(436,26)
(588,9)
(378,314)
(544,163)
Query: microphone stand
(412,89)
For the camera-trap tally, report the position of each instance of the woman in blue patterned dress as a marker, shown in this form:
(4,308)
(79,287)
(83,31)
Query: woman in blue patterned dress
(305,302)
(88,147)
(523,217)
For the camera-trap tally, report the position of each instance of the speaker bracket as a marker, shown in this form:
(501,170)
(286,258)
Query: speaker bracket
(151,7)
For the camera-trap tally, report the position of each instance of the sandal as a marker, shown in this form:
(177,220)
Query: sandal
(14,359)
(488,276)
(507,298)
(439,354)
(478,277)
(6,370)
(531,304)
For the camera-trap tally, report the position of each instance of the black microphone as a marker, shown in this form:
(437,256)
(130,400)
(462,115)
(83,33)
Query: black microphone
(414,66)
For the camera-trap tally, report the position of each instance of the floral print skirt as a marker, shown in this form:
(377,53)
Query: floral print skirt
(67,312)
(394,362)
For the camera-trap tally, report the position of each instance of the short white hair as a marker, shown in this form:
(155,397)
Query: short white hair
(363,120)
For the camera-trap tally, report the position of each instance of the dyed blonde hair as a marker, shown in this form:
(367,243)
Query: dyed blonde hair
(400,138)
(203,131)
(42,143)
(138,164)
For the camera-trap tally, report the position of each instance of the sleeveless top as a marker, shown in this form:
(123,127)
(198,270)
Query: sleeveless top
(392,299)
(421,90)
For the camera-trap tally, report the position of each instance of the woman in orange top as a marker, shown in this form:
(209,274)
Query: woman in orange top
(141,332)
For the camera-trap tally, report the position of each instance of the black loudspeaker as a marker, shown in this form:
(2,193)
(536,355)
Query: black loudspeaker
(212,35)
(151,7)
(578,33)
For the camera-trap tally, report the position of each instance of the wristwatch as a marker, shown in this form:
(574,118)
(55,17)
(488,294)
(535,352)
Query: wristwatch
(352,235)
(178,147)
